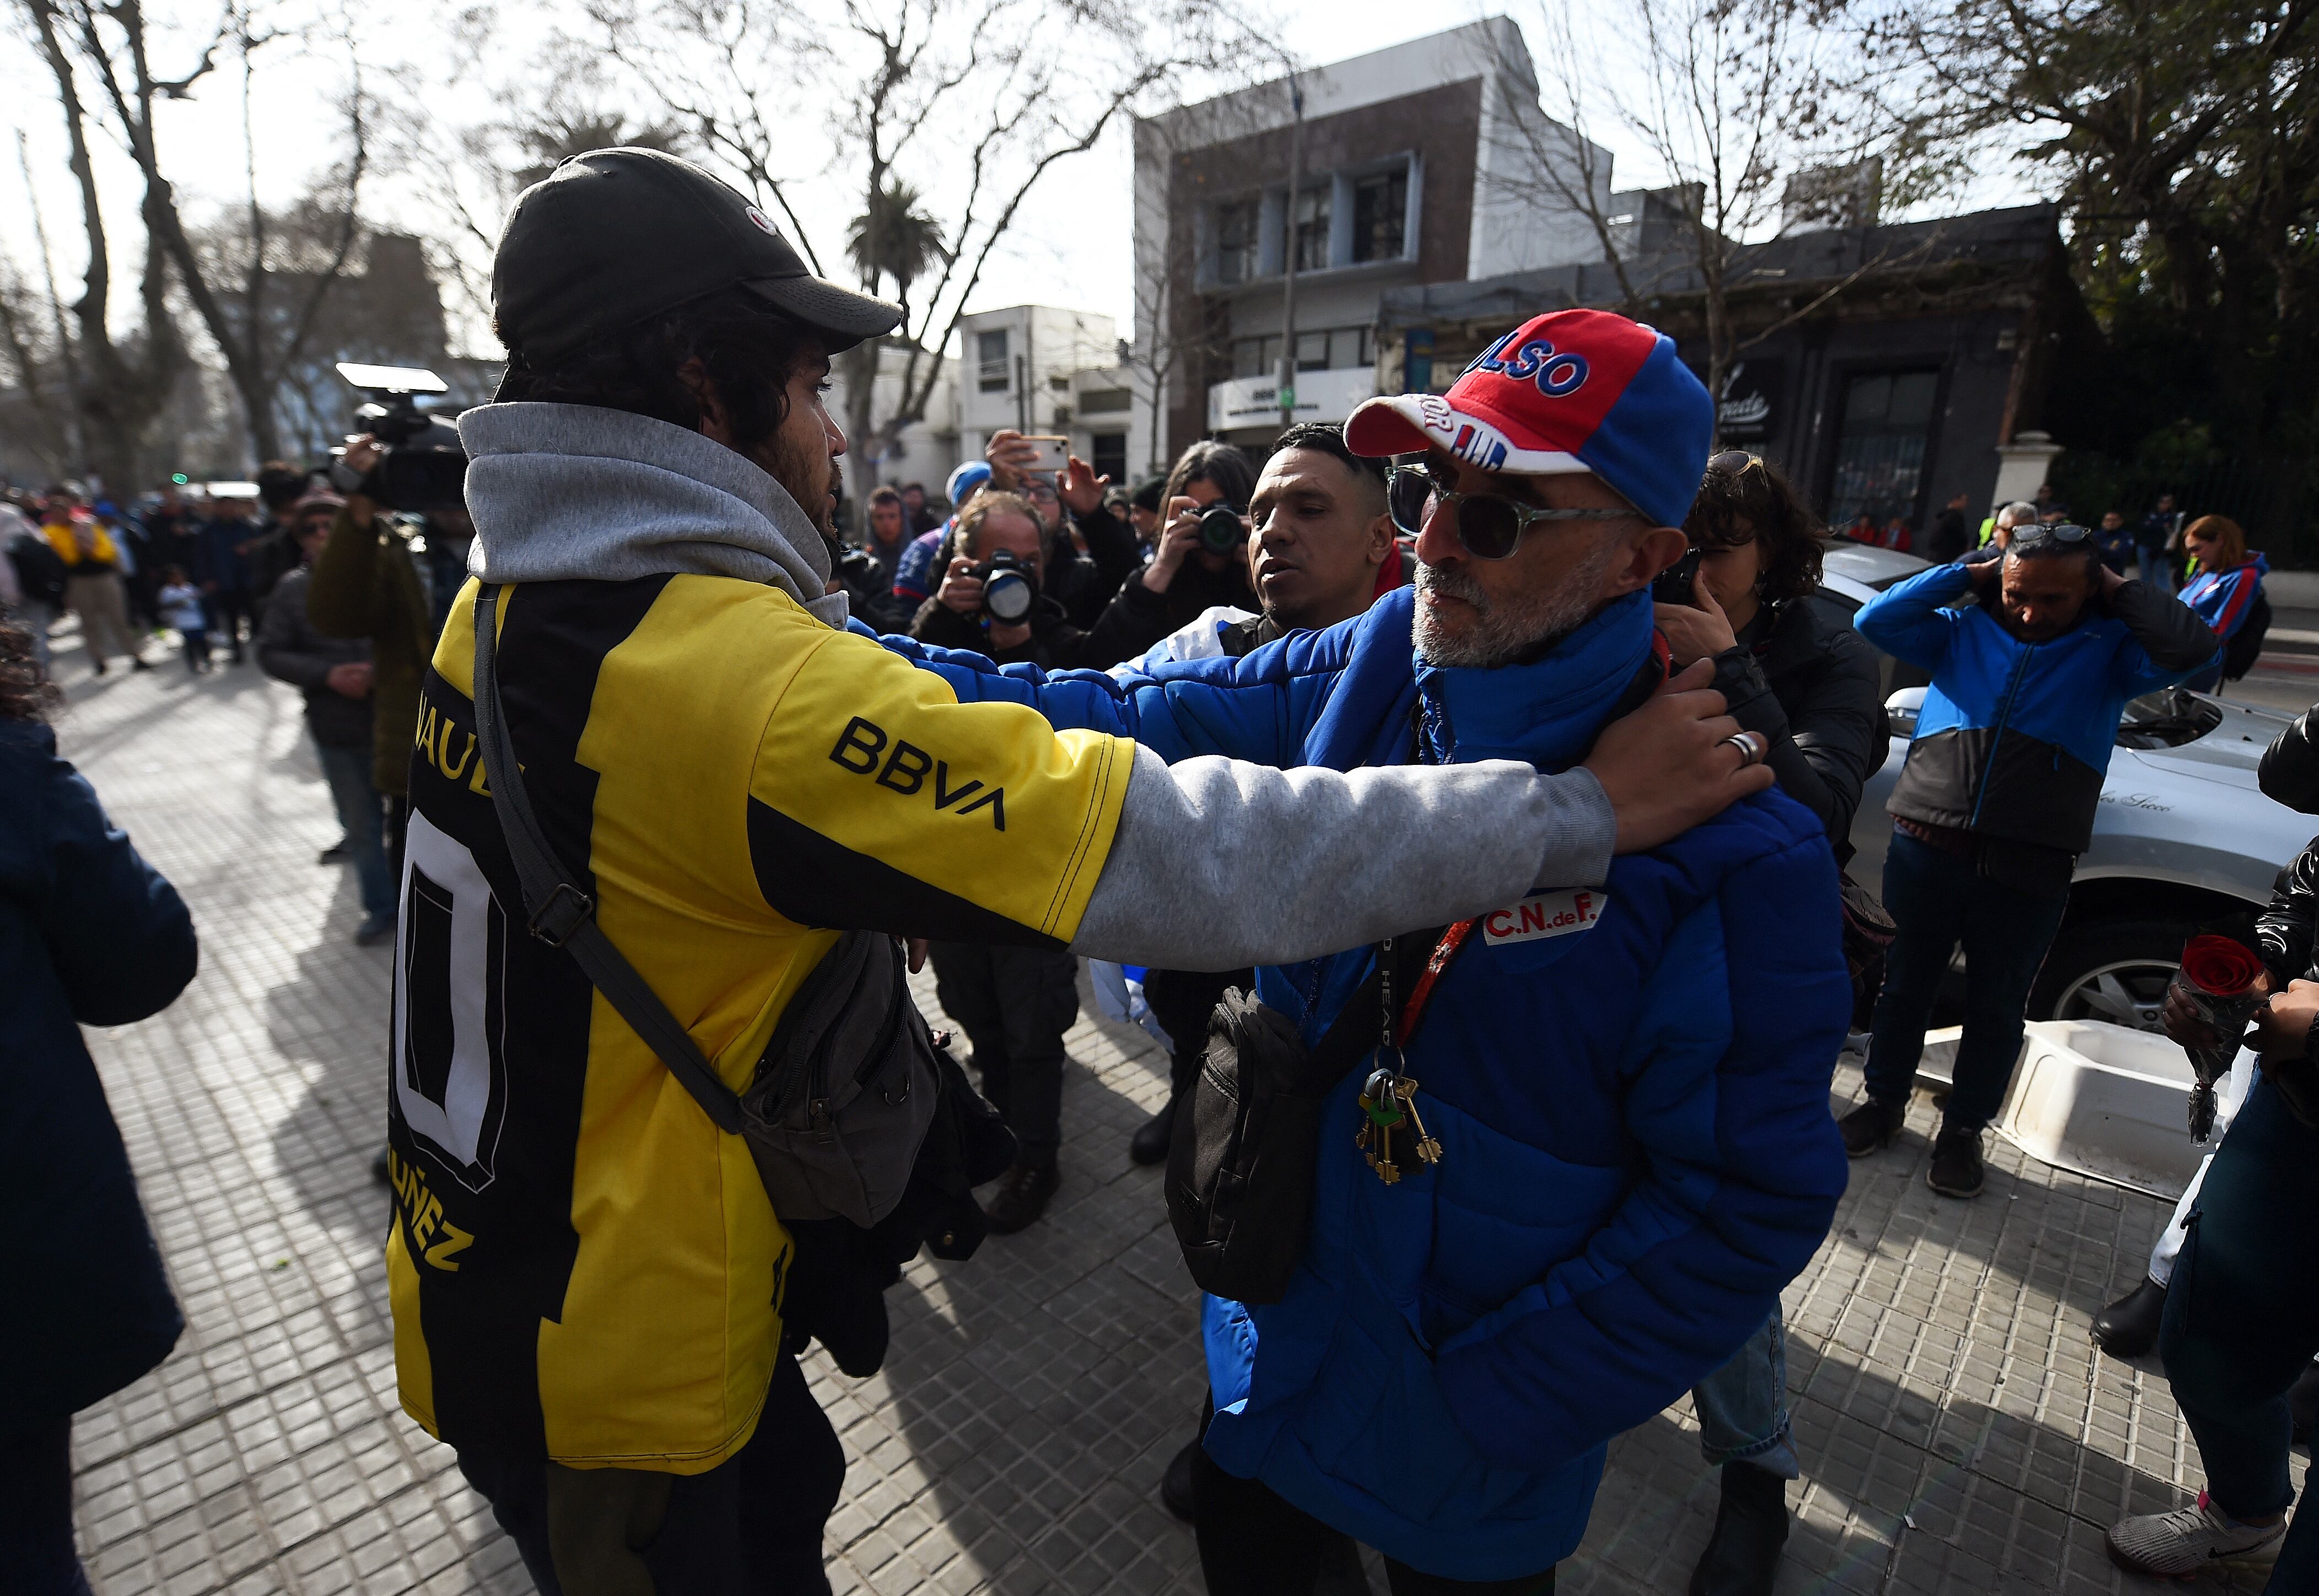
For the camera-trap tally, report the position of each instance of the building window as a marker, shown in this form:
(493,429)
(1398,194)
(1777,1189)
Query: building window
(1880,451)
(1111,456)
(1256,357)
(1340,348)
(991,356)
(1380,215)
(1351,347)
(1098,402)
(1312,227)
(1236,241)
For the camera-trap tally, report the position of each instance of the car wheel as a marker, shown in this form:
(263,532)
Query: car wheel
(2112,970)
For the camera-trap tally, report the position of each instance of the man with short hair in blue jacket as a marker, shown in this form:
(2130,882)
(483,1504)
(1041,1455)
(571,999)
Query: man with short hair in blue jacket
(1997,799)
(1627,1075)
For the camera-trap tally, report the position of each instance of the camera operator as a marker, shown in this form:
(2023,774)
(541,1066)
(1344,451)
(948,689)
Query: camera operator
(1198,563)
(996,524)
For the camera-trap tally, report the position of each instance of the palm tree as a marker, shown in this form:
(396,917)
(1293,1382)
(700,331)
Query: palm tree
(562,132)
(894,237)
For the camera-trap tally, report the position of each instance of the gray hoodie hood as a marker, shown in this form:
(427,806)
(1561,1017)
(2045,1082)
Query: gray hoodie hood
(564,490)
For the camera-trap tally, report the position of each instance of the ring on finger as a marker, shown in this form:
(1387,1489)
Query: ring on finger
(1750,746)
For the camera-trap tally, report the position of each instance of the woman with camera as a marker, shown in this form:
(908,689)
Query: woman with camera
(1790,665)
(1201,561)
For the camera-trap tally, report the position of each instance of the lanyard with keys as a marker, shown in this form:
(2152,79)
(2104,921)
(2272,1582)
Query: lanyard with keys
(1389,1096)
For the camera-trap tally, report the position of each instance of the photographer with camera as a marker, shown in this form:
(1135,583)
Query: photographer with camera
(994,597)
(1201,560)
(1083,575)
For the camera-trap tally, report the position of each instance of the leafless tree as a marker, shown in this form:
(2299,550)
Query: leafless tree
(991,95)
(123,380)
(258,309)
(1756,125)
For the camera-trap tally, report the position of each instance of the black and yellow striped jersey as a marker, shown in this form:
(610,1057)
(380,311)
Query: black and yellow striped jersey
(581,1266)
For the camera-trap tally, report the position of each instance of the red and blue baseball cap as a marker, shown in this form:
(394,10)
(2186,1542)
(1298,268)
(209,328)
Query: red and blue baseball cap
(1567,392)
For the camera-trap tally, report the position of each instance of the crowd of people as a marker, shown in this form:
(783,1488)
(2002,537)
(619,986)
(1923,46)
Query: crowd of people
(1511,713)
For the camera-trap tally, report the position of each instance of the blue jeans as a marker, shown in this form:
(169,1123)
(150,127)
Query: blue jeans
(347,770)
(2242,1318)
(2154,567)
(1743,1406)
(1938,899)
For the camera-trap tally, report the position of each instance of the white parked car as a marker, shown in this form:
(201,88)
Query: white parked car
(2184,837)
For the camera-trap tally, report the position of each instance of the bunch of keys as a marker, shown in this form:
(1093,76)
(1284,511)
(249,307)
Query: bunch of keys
(1388,1097)
(1389,1102)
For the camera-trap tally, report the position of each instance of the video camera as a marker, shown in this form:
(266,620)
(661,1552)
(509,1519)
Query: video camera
(424,468)
(1221,529)
(1010,587)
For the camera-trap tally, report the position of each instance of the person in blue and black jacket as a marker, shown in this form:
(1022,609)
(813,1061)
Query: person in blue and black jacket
(2226,594)
(1997,798)
(90,934)
(1625,1072)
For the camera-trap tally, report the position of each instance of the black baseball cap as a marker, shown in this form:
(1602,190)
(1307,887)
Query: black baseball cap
(614,236)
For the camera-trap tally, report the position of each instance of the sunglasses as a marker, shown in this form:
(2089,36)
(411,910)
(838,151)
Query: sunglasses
(1733,462)
(2039,534)
(1035,489)
(1490,525)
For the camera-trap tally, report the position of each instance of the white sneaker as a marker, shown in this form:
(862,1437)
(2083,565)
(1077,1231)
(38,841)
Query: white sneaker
(2190,1539)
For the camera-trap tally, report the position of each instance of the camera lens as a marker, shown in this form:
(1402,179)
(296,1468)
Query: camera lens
(1221,530)
(1007,595)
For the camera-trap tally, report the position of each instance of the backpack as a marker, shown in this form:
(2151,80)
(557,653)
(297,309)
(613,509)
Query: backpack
(2245,646)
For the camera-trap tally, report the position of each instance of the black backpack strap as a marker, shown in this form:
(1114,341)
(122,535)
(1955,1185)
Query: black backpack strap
(557,912)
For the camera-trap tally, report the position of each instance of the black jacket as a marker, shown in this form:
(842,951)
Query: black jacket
(2290,766)
(1195,590)
(1085,584)
(90,934)
(1809,683)
(289,649)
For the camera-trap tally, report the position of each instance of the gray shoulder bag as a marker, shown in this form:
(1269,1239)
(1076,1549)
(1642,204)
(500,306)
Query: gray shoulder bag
(846,1087)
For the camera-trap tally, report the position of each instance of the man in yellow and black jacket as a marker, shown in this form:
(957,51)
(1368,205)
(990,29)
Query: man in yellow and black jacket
(586,1274)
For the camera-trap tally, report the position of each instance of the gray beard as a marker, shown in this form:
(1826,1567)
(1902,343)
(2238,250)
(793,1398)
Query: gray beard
(1504,632)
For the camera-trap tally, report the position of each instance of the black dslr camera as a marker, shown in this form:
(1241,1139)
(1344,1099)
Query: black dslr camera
(1009,588)
(424,468)
(1221,530)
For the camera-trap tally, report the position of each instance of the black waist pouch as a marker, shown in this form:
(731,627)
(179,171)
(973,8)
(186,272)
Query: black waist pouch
(1242,1157)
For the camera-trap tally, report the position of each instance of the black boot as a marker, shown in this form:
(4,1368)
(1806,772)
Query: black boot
(1021,1196)
(1751,1526)
(2128,1327)
(1176,1484)
(1148,1145)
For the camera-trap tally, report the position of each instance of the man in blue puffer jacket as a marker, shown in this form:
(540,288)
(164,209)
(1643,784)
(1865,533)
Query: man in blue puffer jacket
(1997,799)
(1628,1077)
